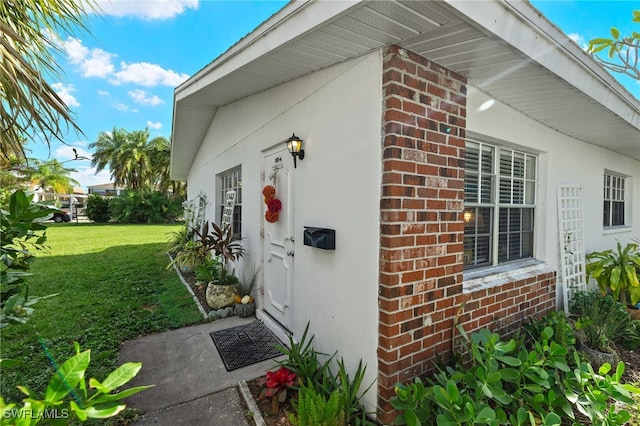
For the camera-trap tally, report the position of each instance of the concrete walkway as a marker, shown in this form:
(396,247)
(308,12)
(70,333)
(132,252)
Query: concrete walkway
(191,383)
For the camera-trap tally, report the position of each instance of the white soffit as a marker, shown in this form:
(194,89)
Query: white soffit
(506,49)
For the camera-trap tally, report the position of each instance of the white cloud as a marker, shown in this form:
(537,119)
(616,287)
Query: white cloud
(87,176)
(103,93)
(92,62)
(579,40)
(66,152)
(140,97)
(146,74)
(64,91)
(157,125)
(124,108)
(150,10)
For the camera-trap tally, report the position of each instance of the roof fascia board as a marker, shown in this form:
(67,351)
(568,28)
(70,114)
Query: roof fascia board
(540,40)
(272,34)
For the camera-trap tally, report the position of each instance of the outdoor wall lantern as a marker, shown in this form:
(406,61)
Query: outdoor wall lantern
(294,144)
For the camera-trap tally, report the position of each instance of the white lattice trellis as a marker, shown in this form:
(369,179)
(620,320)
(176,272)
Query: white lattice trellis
(571,238)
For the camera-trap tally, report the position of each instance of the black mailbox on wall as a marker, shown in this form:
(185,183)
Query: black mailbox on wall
(321,238)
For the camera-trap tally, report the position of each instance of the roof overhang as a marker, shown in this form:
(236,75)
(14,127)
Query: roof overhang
(506,49)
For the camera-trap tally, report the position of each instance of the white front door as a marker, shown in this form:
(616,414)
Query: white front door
(279,239)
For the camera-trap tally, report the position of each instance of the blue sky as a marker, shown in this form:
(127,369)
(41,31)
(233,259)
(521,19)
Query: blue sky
(124,72)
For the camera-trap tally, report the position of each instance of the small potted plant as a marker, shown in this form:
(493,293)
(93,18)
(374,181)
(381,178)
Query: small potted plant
(245,304)
(226,247)
(600,323)
(617,273)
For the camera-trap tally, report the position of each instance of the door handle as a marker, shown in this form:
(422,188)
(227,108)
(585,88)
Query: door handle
(290,253)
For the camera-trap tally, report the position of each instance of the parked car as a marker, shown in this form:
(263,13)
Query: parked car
(79,209)
(57,215)
(60,216)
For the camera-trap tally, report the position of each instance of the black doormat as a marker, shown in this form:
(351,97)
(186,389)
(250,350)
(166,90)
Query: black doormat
(245,345)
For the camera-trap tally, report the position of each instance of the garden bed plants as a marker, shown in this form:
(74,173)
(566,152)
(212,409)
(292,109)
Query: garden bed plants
(310,388)
(535,378)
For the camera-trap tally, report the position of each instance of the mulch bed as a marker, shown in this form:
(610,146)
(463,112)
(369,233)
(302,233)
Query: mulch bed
(280,417)
(198,289)
(271,418)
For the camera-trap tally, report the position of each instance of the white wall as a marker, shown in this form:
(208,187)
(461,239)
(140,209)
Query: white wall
(561,160)
(337,112)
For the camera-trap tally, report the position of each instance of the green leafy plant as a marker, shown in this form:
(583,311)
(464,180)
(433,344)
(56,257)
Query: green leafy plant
(557,321)
(622,51)
(305,361)
(21,235)
(501,386)
(602,321)
(178,239)
(351,392)
(617,272)
(144,207)
(98,209)
(313,409)
(209,271)
(68,384)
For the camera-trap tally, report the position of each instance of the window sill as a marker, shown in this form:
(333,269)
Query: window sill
(616,230)
(502,274)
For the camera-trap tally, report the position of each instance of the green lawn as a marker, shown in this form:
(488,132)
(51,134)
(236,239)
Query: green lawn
(112,285)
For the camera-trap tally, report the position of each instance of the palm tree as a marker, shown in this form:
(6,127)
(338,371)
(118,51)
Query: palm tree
(159,152)
(30,107)
(51,175)
(134,161)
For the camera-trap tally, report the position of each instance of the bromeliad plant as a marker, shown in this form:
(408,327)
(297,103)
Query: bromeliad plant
(277,385)
(312,371)
(617,272)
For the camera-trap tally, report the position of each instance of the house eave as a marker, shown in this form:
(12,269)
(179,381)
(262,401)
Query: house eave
(505,48)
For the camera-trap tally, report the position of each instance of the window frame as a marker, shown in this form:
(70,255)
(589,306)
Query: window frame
(227,181)
(527,187)
(621,196)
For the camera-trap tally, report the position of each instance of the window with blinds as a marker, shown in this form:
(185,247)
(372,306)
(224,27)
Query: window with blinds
(614,200)
(500,187)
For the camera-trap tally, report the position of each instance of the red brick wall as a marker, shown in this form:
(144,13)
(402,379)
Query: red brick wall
(422,228)
(503,307)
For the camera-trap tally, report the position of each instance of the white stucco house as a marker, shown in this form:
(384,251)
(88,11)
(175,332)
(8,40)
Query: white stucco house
(457,150)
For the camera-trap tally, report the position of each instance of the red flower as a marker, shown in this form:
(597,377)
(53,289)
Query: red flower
(269,192)
(274,205)
(280,379)
(272,217)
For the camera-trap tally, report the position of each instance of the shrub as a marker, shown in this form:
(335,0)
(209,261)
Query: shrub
(98,209)
(603,322)
(305,362)
(22,235)
(146,207)
(501,386)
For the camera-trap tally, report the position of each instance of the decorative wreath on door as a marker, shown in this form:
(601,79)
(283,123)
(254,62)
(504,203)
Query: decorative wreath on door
(274,205)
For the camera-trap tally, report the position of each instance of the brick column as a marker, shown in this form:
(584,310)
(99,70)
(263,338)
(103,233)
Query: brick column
(421,224)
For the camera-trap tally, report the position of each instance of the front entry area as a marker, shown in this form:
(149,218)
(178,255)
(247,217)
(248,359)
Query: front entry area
(278,241)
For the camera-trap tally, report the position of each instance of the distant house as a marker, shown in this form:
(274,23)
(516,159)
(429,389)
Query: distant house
(105,189)
(457,150)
